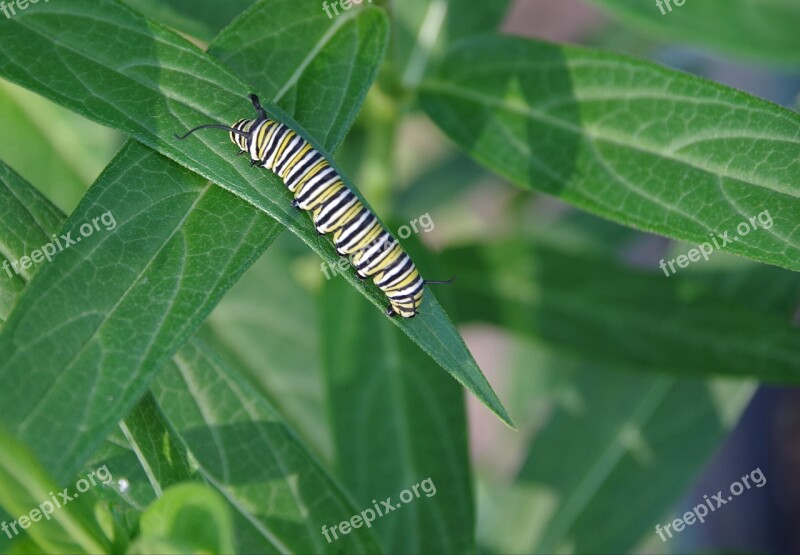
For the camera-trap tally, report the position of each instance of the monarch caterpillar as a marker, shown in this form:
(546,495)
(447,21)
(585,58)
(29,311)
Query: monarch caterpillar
(318,188)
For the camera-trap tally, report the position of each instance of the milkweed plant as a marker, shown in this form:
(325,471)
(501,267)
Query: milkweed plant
(202,352)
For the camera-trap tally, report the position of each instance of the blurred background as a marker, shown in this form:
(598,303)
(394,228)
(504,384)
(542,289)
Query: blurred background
(591,436)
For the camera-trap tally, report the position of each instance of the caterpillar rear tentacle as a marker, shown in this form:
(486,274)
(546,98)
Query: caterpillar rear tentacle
(334,208)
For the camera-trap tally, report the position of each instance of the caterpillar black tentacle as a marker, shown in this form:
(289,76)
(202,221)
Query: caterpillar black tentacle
(440,281)
(334,208)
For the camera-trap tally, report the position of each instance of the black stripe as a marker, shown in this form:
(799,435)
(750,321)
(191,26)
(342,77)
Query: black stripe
(303,169)
(402,273)
(287,156)
(400,260)
(387,245)
(277,140)
(335,203)
(348,234)
(322,177)
(418,284)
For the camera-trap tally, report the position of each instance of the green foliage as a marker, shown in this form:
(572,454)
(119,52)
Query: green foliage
(188,518)
(755,29)
(622,318)
(27,492)
(243,403)
(407,394)
(647,147)
(155,104)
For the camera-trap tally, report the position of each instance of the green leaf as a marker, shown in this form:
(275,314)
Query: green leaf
(396,422)
(282,498)
(200,19)
(613,460)
(28,220)
(164,456)
(594,309)
(755,29)
(633,142)
(191,517)
(199,417)
(165,460)
(100,319)
(161,470)
(25,491)
(157,100)
(171,207)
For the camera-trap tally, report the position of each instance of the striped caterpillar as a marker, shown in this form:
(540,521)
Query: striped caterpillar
(334,208)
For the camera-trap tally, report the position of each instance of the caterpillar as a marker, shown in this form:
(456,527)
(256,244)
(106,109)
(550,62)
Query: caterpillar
(334,208)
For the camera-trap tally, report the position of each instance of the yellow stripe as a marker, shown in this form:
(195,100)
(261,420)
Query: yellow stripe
(332,189)
(362,253)
(403,284)
(264,137)
(369,237)
(293,162)
(393,255)
(281,147)
(321,165)
(346,217)
(374,230)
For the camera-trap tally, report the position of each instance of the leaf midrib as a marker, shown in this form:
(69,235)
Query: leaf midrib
(595,134)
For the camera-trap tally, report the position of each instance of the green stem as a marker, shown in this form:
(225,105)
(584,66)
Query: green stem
(376,173)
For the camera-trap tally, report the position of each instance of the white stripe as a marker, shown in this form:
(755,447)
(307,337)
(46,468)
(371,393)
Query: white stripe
(324,221)
(316,191)
(346,241)
(288,152)
(253,146)
(292,175)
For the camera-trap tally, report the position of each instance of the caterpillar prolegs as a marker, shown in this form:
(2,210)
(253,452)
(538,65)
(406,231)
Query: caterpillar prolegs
(334,208)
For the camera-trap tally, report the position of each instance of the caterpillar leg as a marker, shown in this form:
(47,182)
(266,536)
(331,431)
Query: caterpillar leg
(403,306)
